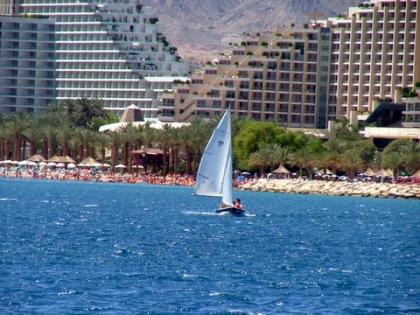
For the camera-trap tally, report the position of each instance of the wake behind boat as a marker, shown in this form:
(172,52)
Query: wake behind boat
(214,177)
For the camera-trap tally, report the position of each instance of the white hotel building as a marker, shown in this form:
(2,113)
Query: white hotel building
(109,50)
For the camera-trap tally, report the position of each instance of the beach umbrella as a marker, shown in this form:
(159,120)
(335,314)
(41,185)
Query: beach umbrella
(369,172)
(61,165)
(71,165)
(36,158)
(106,165)
(281,170)
(121,166)
(15,163)
(5,162)
(42,164)
(54,159)
(90,162)
(389,173)
(30,163)
(23,163)
(66,159)
(51,164)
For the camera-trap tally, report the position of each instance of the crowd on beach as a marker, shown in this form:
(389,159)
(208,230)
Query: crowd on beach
(95,175)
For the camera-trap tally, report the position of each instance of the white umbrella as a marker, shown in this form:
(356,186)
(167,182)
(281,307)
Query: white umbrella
(71,165)
(60,165)
(120,166)
(30,163)
(23,163)
(15,163)
(42,163)
(7,162)
(106,165)
(51,164)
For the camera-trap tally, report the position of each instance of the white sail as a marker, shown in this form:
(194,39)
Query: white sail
(214,177)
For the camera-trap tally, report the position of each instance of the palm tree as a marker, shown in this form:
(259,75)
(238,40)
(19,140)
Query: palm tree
(87,139)
(102,140)
(33,135)
(19,122)
(412,156)
(304,158)
(333,149)
(129,137)
(175,144)
(115,140)
(164,140)
(393,160)
(351,162)
(65,133)
(258,160)
(187,146)
(83,111)
(6,140)
(50,138)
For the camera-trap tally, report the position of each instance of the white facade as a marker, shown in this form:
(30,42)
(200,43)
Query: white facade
(27,64)
(105,49)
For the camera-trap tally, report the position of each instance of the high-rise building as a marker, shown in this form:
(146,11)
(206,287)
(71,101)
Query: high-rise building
(266,77)
(373,54)
(27,64)
(109,50)
(7,7)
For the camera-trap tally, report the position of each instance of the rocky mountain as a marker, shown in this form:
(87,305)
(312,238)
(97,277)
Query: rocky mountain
(203,27)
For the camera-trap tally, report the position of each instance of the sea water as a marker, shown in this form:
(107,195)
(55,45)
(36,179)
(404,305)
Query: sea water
(83,248)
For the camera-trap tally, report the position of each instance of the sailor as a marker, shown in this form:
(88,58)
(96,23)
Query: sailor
(237,204)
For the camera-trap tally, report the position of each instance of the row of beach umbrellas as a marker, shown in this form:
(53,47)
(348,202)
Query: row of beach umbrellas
(61,162)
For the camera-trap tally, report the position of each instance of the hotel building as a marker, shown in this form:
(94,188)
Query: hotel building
(27,64)
(266,77)
(373,55)
(108,50)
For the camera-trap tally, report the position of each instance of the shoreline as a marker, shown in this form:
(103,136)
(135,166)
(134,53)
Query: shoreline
(334,188)
(294,186)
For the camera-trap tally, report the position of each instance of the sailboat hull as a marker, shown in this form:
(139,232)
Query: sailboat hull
(231,210)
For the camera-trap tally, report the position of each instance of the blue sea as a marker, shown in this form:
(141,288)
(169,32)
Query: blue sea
(92,248)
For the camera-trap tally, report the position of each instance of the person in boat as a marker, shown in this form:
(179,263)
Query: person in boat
(223,205)
(237,204)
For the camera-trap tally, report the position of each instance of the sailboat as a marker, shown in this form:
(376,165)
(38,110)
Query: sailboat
(214,177)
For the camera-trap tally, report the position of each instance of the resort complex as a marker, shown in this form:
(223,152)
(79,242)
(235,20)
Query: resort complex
(107,50)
